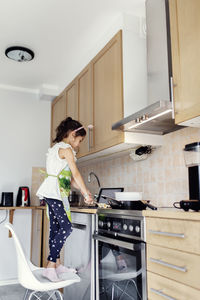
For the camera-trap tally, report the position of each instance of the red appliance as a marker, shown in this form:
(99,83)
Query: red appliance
(23,196)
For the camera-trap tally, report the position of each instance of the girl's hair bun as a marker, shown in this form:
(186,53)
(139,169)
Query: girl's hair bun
(66,126)
(68,119)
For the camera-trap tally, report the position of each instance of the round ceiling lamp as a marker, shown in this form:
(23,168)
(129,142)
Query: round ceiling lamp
(19,53)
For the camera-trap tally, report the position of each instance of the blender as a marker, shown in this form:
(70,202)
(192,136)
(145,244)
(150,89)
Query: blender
(192,161)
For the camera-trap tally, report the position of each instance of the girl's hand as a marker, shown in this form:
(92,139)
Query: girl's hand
(88,198)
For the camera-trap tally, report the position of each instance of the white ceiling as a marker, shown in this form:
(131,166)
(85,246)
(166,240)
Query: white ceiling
(60,32)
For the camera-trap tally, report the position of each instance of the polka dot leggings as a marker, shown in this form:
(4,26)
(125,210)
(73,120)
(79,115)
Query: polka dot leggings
(60,227)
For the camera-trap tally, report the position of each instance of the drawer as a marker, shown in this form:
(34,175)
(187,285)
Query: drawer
(180,266)
(162,288)
(175,234)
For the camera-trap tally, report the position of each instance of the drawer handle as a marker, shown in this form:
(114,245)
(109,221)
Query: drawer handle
(163,263)
(179,235)
(158,292)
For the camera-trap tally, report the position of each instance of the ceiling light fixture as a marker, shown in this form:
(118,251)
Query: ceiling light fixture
(19,53)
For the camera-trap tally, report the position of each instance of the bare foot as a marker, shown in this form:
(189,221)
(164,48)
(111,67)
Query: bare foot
(58,263)
(51,264)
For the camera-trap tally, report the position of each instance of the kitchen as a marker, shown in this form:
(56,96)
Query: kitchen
(162,177)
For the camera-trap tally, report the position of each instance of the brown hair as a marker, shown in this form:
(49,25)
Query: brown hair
(67,125)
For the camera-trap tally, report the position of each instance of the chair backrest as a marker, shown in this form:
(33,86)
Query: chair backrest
(25,274)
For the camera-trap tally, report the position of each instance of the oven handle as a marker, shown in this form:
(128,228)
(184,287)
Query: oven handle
(122,244)
(79,226)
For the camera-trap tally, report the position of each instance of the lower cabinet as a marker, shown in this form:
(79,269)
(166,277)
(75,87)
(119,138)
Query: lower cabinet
(160,287)
(172,267)
(79,254)
(40,238)
(36,237)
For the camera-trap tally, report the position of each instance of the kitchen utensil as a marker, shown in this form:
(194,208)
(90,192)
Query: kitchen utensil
(74,198)
(101,205)
(134,205)
(110,192)
(186,205)
(126,196)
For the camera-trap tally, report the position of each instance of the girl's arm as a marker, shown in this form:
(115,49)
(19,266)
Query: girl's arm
(68,155)
(74,184)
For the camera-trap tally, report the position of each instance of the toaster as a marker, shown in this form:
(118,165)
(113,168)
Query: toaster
(7,199)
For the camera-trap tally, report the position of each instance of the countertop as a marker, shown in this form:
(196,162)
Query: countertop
(172,213)
(84,210)
(169,213)
(73,209)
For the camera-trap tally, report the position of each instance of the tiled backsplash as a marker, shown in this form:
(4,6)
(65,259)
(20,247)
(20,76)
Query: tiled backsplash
(162,177)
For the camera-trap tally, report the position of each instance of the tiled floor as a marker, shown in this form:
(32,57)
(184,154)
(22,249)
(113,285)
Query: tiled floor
(16,292)
(12,292)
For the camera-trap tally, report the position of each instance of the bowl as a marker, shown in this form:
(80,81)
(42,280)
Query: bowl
(128,196)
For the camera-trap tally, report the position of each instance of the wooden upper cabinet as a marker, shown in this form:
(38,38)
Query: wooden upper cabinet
(85,104)
(95,97)
(72,100)
(58,113)
(108,93)
(185,42)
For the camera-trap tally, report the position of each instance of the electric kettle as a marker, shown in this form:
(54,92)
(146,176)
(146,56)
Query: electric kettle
(23,196)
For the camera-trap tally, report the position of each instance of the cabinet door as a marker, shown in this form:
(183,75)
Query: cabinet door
(85,103)
(185,40)
(163,288)
(45,242)
(108,93)
(72,100)
(58,113)
(36,237)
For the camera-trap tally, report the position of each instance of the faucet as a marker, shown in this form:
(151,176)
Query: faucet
(89,178)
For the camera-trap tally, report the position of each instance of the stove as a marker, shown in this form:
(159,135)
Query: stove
(120,255)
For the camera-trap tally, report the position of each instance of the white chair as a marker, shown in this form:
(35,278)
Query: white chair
(31,278)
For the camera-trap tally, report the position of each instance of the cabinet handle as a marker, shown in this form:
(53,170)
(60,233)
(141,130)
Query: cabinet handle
(90,128)
(163,263)
(160,293)
(179,235)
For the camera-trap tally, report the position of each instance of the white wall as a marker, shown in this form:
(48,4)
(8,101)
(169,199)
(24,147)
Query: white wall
(25,138)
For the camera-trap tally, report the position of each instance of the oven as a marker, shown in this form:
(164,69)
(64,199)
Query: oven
(120,255)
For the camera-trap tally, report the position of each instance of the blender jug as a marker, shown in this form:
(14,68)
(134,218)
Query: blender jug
(192,161)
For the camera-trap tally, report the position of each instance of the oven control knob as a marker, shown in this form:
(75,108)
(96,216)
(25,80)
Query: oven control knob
(108,224)
(125,227)
(131,227)
(101,223)
(137,228)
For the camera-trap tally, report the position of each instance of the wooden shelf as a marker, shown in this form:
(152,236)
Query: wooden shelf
(13,208)
(19,207)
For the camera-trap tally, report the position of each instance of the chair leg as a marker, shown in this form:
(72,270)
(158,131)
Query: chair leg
(33,294)
(26,293)
(58,295)
(113,291)
(38,296)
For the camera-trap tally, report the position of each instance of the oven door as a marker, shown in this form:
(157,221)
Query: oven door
(120,269)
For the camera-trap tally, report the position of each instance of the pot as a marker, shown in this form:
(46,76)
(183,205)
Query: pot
(129,205)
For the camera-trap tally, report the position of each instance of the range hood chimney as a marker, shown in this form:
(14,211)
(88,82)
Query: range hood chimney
(158,116)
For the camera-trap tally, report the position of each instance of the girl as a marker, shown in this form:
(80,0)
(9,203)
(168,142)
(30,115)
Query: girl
(61,174)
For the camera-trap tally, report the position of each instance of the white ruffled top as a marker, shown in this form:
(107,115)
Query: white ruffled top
(54,165)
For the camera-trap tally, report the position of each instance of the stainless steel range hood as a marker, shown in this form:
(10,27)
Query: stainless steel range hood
(157,117)
(154,119)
